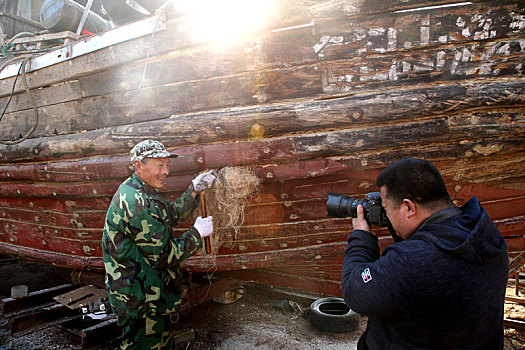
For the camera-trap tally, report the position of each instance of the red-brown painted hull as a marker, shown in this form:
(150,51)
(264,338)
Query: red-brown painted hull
(310,110)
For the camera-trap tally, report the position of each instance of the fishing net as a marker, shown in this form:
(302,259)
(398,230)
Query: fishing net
(226,200)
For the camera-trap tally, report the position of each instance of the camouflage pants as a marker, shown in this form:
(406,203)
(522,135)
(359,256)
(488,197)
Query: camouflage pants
(146,333)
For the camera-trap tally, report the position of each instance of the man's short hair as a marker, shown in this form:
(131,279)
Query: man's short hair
(414,179)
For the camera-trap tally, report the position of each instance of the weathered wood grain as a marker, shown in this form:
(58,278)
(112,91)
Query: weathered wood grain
(454,60)
(316,109)
(155,103)
(246,123)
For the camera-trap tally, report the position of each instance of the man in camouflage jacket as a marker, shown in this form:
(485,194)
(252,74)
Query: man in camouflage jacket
(141,257)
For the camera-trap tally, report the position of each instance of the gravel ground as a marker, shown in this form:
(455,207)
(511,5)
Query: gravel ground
(259,320)
(256,321)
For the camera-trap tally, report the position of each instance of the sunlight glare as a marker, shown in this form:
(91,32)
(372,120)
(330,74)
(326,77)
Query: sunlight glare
(224,20)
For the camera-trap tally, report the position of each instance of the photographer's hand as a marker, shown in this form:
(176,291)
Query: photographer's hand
(360,223)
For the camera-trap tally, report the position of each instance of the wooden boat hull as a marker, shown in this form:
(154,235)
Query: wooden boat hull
(312,109)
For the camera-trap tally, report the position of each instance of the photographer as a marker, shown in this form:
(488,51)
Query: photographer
(443,285)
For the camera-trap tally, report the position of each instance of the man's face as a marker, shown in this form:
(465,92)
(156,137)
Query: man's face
(396,215)
(153,171)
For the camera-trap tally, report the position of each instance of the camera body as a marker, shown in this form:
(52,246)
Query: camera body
(340,206)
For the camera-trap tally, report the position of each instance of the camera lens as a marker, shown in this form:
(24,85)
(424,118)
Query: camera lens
(334,207)
(341,206)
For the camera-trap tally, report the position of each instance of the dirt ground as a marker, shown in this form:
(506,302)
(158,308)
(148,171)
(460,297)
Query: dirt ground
(259,320)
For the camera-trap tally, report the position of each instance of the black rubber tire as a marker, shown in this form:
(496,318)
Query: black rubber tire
(333,315)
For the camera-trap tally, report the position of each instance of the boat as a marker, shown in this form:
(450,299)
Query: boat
(317,98)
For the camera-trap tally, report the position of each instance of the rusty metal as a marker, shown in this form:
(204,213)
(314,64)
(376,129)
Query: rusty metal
(42,318)
(93,335)
(14,307)
(81,296)
(40,310)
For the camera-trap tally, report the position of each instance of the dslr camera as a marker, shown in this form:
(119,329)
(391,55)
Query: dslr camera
(341,206)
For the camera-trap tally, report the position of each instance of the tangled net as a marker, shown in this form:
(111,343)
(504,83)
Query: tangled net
(232,189)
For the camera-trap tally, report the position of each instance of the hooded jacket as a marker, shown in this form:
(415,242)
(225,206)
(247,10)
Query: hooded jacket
(443,288)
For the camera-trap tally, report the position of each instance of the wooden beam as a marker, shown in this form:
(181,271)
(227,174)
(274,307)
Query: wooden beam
(416,105)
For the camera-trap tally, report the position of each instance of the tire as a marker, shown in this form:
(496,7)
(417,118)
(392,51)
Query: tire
(333,315)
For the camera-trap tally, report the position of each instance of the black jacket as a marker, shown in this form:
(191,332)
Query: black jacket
(443,288)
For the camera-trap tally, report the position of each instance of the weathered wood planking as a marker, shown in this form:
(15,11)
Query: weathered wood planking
(304,116)
(241,87)
(176,38)
(316,109)
(489,166)
(464,24)
(273,221)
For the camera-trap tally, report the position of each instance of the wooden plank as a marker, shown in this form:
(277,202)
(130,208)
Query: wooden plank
(54,204)
(321,11)
(341,76)
(407,31)
(516,324)
(303,116)
(290,225)
(58,259)
(162,43)
(83,243)
(318,287)
(283,49)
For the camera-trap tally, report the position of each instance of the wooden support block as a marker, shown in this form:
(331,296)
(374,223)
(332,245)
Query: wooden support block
(517,325)
(515,299)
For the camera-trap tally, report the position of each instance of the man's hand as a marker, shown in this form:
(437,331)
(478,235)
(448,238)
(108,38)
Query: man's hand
(360,223)
(204,181)
(204,226)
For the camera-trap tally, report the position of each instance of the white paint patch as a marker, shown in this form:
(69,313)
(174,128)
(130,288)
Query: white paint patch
(424,35)
(337,39)
(487,150)
(488,24)
(466,55)
(504,49)
(481,35)
(321,43)
(455,62)
(518,22)
(392,73)
(440,59)
(376,31)
(381,76)
(392,39)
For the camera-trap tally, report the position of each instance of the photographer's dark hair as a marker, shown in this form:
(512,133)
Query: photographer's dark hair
(415,179)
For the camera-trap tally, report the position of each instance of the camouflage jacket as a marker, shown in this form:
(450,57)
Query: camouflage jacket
(140,255)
